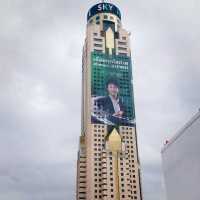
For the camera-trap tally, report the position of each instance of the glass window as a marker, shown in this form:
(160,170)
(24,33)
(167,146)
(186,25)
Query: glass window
(122,43)
(122,48)
(98,39)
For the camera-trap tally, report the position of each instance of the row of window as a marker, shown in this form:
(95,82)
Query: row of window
(98,45)
(99,130)
(127,136)
(105,17)
(101,51)
(99,126)
(112,196)
(119,43)
(122,48)
(98,39)
(124,128)
(124,38)
(119,48)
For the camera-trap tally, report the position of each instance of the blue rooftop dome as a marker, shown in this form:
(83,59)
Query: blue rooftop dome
(103,8)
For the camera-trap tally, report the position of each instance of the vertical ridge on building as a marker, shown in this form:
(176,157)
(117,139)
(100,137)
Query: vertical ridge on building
(108,166)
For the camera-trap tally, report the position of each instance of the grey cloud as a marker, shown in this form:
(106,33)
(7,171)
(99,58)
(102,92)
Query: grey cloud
(32,181)
(40,83)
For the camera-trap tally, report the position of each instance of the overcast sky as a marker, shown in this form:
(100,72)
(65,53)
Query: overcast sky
(40,89)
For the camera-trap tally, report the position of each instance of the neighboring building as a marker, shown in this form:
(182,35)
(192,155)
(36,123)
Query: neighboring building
(108,166)
(181,162)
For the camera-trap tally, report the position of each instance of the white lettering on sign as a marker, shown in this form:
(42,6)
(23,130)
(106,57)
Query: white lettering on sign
(110,63)
(99,7)
(110,6)
(105,7)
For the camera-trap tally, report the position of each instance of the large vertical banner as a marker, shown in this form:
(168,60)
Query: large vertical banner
(112,90)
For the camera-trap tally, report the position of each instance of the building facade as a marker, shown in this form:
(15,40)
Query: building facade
(181,162)
(108,166)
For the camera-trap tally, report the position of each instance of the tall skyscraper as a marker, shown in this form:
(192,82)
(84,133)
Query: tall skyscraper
(108,166)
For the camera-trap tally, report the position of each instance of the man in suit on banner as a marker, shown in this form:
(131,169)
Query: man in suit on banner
(112,104)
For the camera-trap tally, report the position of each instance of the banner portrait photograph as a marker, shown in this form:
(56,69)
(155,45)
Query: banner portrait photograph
(112,91)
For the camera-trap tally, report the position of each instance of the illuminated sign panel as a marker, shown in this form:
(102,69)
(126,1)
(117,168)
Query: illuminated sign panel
(112,90)
(103,8)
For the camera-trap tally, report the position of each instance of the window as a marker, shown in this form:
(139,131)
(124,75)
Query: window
(105,16)
(122,54)
(98,39)
(123,38)
(122,43)
(98,51)
(122,48)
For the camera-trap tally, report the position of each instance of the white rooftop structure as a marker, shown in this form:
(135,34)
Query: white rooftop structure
(181,162)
